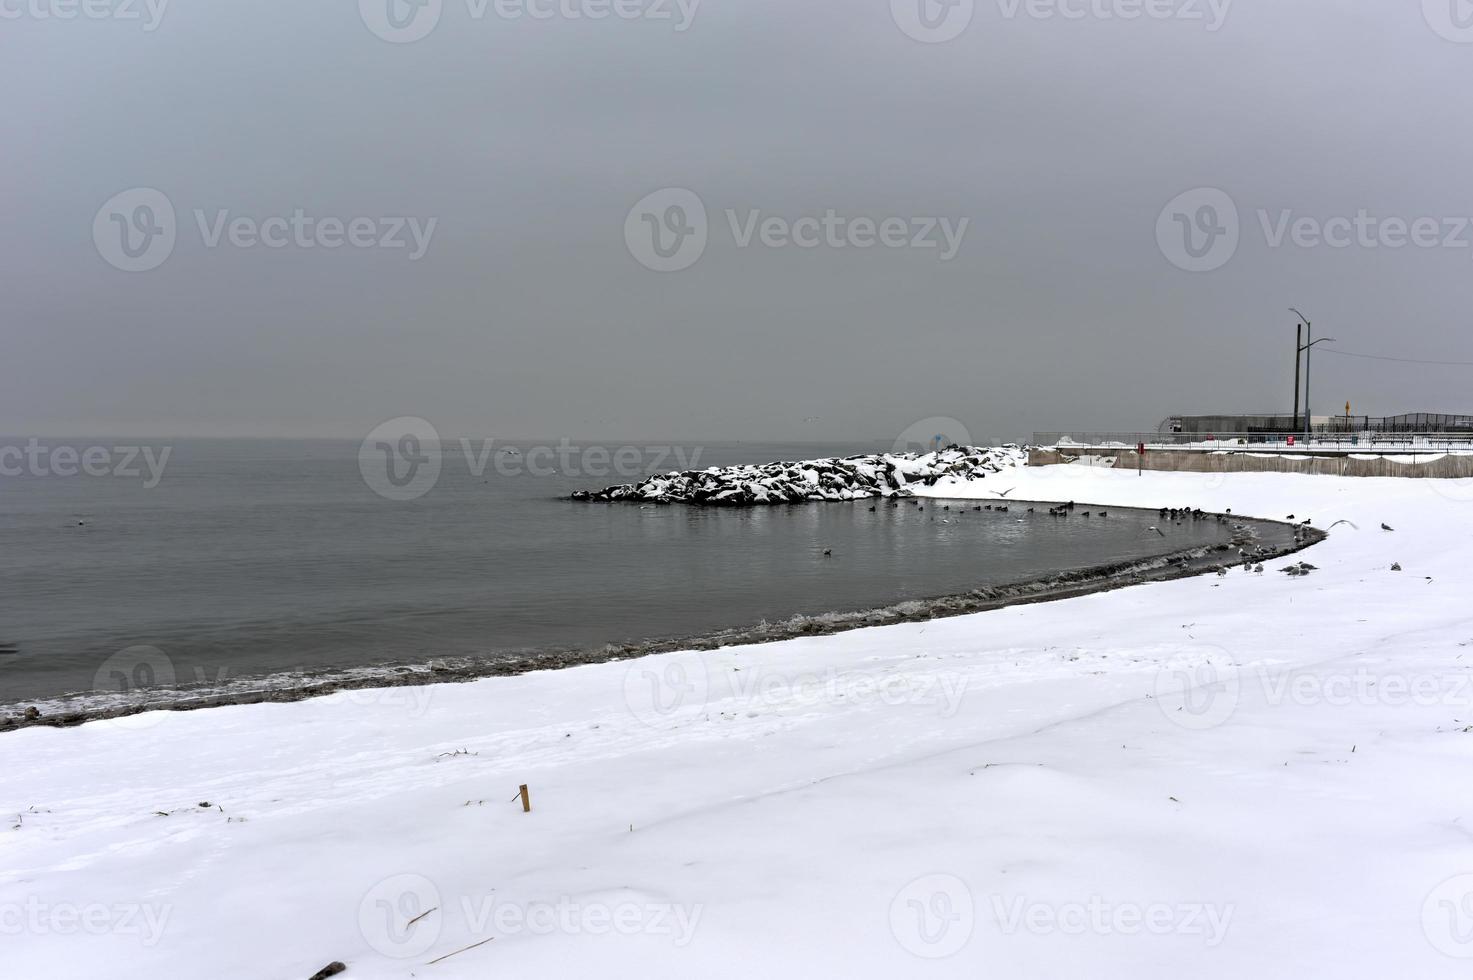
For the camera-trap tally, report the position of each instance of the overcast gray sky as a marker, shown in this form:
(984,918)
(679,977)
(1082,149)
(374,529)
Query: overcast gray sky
(1059,130)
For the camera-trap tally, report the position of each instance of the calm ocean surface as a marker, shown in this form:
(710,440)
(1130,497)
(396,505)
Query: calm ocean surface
(257,557)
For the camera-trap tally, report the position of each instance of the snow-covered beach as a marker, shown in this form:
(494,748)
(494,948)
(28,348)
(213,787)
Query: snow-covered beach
(1216,776)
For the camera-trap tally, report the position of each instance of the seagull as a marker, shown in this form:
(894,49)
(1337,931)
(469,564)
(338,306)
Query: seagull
(1343,521)
(1004,493)
(1157,530)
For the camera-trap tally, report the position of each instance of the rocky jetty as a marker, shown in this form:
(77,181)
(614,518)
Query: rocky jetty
(850,478)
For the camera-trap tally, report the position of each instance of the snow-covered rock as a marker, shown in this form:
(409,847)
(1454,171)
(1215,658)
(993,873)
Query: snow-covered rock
(849,478)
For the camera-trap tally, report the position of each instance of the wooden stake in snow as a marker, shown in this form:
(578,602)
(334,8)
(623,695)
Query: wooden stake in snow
(526,799)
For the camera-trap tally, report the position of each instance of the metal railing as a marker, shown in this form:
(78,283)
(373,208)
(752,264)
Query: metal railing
(1323,437)
(1417,423)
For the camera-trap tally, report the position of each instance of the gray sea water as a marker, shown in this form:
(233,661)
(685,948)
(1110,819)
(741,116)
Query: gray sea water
(252,558)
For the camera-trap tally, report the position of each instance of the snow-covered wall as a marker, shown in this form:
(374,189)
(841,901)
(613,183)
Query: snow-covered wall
(1321,462)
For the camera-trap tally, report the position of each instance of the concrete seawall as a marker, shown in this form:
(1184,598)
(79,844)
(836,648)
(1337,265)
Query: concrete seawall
(1246,461)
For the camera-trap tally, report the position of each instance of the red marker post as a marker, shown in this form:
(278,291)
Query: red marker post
(1140,458)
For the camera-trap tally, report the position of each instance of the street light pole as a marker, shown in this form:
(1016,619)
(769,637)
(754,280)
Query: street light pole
(1299,348)
(1308,418)
(1308,349)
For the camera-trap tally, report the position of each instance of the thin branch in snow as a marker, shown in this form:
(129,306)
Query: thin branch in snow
(461,950)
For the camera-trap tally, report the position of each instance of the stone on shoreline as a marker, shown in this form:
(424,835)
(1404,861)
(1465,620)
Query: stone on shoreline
(850,478)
